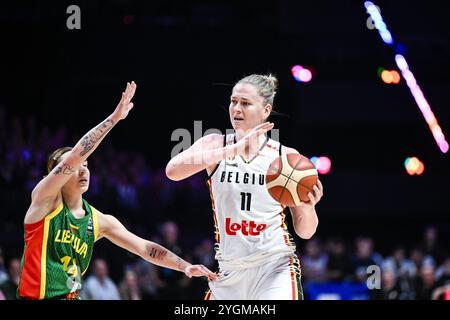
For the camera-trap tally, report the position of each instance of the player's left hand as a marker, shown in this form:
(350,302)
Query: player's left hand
(199,270)
(314,196)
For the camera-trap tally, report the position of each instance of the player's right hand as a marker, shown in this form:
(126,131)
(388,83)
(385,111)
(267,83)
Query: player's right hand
(125,104)
(249,145)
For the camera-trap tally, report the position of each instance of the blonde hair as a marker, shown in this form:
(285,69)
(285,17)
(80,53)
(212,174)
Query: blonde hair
(266,84)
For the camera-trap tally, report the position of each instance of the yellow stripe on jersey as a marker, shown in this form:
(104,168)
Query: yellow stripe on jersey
(49,217)
(295,275)
(95,221)
(216,226)
(294,281)
(287,236)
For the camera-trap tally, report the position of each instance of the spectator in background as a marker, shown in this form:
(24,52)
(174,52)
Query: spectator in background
(170,284)
(418,258)
(442,291)
(364,257)
(314,262)
(443,272)
(204,253)
(404,269)
(148,280)
(339,265)
(3,273)
(147,276)
(431,246)
(126,191)
(425,283)
(9,287)
(99,286)
(399,263)
(390,290)
(129,287)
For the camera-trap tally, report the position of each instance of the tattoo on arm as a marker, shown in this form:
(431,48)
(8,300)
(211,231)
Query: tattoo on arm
(92,137)
(157,254)
(179,263)
(65,169)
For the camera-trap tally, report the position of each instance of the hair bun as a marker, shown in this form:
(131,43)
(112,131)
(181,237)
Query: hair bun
(272,81)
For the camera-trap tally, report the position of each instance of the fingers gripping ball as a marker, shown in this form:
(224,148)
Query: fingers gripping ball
(289,179)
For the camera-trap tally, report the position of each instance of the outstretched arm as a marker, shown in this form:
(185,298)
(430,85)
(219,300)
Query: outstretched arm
(113,230)
(47,190)
(209,150)
(304,216)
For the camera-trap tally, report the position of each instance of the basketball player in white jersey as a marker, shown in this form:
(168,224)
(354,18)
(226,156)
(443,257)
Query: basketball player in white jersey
(255,252)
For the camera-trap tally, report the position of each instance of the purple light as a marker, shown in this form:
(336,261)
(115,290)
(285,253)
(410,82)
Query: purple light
(422,103)
(301,74)
(322,164)
(444,146)
(295,70)
(305,75)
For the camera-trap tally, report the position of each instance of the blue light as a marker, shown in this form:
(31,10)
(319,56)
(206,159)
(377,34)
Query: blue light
(379,23)
(400,48)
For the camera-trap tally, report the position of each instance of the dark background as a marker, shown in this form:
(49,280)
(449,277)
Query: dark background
(186,55)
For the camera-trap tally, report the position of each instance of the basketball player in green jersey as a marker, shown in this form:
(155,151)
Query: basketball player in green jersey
(61,227)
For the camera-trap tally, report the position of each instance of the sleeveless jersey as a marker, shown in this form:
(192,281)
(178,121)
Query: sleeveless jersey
(250,224)
(57,253)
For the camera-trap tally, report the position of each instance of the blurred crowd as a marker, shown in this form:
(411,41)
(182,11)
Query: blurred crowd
(421,272)
(123,184)
(418,272)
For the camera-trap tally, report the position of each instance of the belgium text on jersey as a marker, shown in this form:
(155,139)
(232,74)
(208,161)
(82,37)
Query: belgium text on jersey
(246,178)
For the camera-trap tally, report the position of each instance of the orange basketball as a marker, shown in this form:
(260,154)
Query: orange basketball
(289,179)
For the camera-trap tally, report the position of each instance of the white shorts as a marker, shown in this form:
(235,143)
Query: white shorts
(279,279)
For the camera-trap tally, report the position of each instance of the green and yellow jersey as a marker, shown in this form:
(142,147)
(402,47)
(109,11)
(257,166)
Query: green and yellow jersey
(57,253)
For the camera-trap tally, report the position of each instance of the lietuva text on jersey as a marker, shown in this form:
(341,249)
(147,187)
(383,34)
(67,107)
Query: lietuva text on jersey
(66,236)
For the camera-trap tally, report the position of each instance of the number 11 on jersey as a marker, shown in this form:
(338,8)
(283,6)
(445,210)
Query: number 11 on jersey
(246,200)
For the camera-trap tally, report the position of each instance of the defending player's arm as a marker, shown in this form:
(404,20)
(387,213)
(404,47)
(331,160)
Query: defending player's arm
(113,230)
(304,216)
(46,191)
(209,150)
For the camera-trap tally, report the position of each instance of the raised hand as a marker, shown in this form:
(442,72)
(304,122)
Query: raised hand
(125,104)
(249,144)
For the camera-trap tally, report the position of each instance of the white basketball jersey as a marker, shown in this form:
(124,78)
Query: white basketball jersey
(250,224)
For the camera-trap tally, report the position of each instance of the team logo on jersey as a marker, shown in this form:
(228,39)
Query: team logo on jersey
(73,228)
(232,164)
(247,228)
(90,226)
